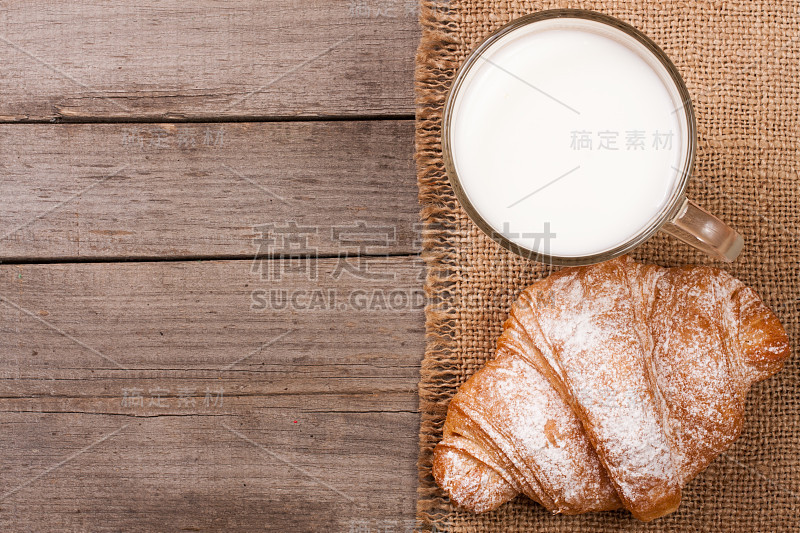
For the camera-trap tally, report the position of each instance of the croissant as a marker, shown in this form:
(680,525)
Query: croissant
(613,386)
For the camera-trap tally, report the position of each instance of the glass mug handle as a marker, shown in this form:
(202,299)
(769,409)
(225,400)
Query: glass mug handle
(697,227)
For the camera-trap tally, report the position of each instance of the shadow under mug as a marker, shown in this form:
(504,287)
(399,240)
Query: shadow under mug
(680,217)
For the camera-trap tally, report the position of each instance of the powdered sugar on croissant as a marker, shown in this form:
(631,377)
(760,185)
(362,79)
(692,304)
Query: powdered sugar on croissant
(613,386)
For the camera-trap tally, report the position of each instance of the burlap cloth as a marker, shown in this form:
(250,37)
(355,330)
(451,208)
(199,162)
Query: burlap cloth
(740,61)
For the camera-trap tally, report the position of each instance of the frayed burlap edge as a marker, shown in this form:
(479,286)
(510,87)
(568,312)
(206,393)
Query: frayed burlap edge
(433,75)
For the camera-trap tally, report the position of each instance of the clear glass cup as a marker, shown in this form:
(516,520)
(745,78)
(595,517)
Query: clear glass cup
(679,217)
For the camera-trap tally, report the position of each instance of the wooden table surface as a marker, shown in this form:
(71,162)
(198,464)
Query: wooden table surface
(210,283)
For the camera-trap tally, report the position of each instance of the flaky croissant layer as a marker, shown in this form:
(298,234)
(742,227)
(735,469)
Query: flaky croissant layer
(613,385)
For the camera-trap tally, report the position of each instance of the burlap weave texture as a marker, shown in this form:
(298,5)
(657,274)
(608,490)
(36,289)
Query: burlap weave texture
(741,63)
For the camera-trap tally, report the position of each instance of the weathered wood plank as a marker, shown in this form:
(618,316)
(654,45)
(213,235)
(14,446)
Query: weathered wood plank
(189,190)
(253,471)
(196,408)
(99,324)
(171,59)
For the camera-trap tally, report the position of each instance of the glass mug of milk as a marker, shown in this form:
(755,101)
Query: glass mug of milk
(569,138)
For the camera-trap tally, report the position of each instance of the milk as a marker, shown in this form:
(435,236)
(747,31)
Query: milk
(519,129)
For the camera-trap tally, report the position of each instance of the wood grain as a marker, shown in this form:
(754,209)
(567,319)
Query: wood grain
(207,395)
(161,60)
(314,431)
(188,190)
